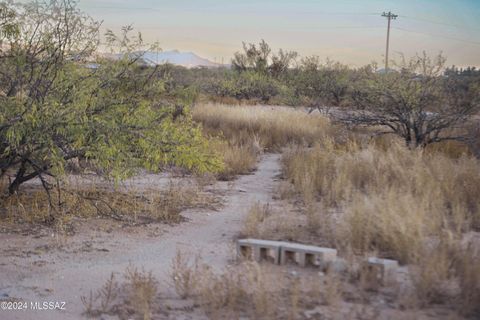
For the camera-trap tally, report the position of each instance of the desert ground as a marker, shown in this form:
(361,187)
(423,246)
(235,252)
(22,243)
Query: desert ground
(55,267)
(72,263)
(142,184)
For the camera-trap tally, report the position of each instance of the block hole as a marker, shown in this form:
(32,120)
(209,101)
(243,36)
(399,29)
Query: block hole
(311,260)
(246,252)
(266,254)
(290,257)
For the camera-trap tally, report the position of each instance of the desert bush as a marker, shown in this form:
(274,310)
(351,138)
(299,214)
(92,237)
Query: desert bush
(261,60)
(323,85)
(250,86)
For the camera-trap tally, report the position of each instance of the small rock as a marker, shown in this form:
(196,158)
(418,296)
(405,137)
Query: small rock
(339,265)
(309,314)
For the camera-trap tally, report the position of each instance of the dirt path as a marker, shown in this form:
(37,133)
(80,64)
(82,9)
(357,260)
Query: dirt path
(66,274)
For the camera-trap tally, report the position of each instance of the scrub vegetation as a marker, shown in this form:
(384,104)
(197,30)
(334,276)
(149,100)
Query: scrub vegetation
(373,164)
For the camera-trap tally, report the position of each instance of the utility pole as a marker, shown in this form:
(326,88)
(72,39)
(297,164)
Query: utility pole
(390,16)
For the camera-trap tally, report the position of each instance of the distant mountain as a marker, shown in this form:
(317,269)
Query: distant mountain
(185,59)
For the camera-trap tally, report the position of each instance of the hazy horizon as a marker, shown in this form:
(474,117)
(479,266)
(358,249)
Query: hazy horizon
(352,32)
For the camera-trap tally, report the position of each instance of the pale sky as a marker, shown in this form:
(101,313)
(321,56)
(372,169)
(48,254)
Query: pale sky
(349,31)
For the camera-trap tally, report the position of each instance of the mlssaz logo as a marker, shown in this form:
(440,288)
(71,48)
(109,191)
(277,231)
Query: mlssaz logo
(48,305)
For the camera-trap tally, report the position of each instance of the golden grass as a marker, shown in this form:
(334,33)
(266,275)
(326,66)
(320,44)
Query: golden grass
(272,127)
(411,205)
(391,200)
(237,158)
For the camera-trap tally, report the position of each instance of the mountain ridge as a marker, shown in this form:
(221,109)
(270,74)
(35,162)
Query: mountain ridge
(176,57)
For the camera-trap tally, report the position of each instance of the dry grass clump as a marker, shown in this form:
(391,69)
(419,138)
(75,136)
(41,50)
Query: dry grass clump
(141,290)
(467,264)
(272,127)
(265,221)
(135,298)
(237,158)
(34,205)
(255,217)
(447,273)
(252,290)
(183,275)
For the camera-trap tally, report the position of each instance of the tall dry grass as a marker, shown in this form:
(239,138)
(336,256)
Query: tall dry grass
(238,158)
(271,127)
(242,133)
(392,200)
(411,205)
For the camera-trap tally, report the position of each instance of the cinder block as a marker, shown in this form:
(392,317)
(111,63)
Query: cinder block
(305,255)
(259,250)
(377,272)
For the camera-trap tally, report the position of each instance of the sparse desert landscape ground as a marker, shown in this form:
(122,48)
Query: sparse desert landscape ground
(52,265)
(188,268)
(141,184)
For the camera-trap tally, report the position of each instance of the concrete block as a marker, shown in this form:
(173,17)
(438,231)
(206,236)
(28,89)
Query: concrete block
(305,255)
(259,250)
(377,272)
(339,265)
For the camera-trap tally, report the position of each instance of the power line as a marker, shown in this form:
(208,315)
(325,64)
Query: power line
(440,23)
(319,27)
(242,11)
(437,35)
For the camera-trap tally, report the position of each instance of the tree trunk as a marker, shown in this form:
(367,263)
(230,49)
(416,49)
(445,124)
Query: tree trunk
(13,188)
(20,178)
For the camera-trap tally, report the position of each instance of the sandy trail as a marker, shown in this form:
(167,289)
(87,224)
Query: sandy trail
(67,274)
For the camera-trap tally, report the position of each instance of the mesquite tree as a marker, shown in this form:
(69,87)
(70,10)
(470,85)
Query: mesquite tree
(260,59)
(417,102)
(323,85)
(61,100)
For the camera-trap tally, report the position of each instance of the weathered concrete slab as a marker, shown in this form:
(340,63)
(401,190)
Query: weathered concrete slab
(377,272)
(259,250)
(305,255)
